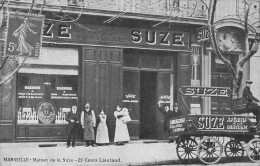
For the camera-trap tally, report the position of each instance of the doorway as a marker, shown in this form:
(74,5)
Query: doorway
(148,84)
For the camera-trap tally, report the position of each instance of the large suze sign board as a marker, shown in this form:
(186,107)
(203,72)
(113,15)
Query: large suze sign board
(117,36)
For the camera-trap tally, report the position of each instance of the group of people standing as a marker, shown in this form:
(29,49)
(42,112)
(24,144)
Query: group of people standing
(88,122)
(168,114)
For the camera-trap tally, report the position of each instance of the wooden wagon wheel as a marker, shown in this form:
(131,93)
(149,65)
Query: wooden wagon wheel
(209,150)
(186,149)
(234,150)
(253,150)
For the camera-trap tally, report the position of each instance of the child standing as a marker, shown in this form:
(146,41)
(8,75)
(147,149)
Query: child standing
(102,131)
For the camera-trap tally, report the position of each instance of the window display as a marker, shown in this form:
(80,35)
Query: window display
(45,99)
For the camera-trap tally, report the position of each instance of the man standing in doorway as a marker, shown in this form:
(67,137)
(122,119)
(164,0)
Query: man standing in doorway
(167,116)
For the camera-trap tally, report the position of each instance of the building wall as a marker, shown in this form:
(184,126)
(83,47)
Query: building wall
(100,69)
(254,74)
(8,100)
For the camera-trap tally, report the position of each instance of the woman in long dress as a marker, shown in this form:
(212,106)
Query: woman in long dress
(88,122)
(121,132)
(102,131)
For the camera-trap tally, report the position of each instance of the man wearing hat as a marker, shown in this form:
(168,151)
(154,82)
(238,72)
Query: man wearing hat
(168,114)
(176,111)
(253,103)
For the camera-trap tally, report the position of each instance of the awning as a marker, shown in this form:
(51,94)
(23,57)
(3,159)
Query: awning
(56,56)
(53,61)
(49,71)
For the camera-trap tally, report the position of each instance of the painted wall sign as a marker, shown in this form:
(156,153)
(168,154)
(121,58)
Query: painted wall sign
(206,91)
(117,36)
(24,35)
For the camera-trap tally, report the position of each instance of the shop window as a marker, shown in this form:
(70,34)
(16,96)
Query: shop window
(45,98)
(47,87)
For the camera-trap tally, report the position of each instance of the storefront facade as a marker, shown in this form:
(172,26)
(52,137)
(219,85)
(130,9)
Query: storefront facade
(231,45)
(132,65)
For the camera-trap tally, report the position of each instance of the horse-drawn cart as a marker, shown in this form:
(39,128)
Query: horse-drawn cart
(207,136)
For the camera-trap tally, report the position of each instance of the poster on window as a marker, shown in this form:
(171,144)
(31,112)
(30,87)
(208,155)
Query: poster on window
(24,35)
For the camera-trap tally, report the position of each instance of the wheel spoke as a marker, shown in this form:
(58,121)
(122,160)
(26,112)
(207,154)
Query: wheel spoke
(193,153)
(216,147)
(185,155)
(239,152)
(182,154)
(205,154)
(228,155)
(215,154)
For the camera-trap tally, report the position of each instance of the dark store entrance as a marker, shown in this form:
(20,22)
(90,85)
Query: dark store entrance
(148,105)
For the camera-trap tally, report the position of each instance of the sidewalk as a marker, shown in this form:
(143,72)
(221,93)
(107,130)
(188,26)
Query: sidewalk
(141,152)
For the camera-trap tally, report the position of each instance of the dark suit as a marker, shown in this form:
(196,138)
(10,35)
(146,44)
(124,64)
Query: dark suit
(167,116)
(247,94)
(177,113)
(251,102)
(72,127)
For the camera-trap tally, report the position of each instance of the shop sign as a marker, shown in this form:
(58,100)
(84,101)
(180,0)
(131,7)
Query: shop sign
(46,112)
(203,34)
(206,91)
(24,35)
(67,96)
(130,98)
(30,92)
(162,38)
(164,98)
(117,36)
(64,88)
(32,87)
(177,125)
(30,95)
(220,123)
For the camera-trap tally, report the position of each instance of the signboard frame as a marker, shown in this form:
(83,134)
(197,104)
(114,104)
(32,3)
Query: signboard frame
(205,91)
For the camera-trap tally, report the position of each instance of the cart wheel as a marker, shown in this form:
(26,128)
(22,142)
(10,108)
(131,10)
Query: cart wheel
(234,150)
(209,150)
(253,150)
(186,150)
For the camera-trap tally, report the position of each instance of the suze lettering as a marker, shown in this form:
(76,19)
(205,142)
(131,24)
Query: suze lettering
(155,38)
(203,34)
(203,91)
(211,123)
(64,31)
